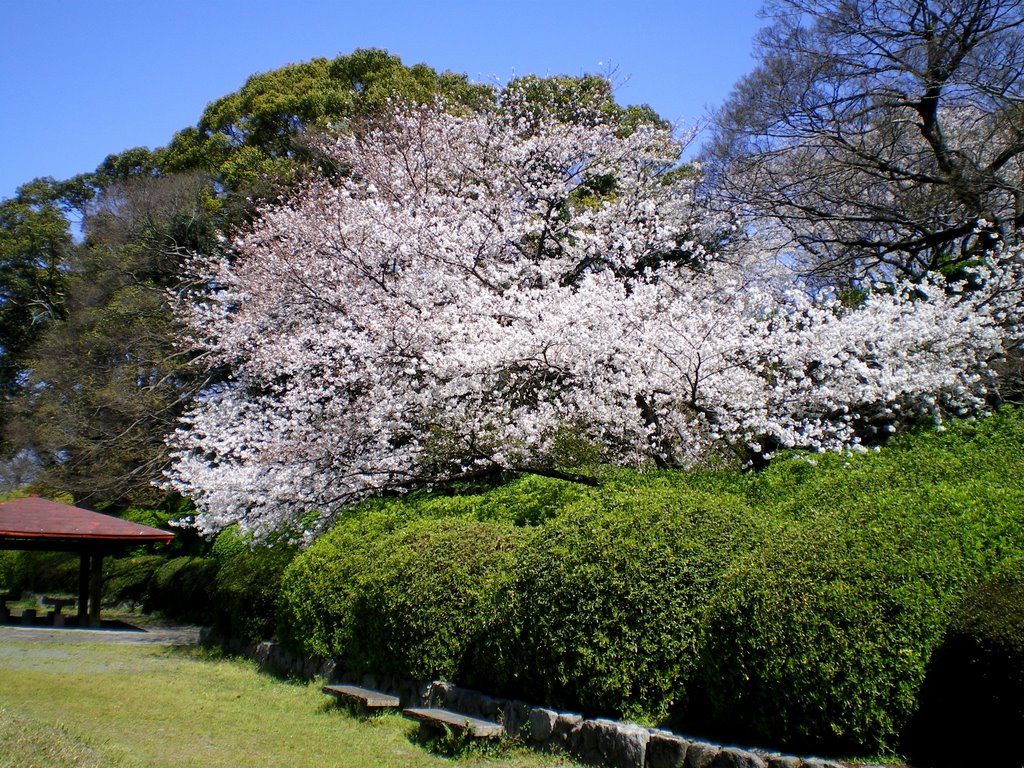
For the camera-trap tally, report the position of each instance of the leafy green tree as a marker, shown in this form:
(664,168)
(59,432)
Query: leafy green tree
(587,99)
(254,140)
(34,243)
(106,382)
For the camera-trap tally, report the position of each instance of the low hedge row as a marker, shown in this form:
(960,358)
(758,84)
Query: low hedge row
(39,572)
(797,607)
(605,603)
(821,638)
(805,607)
(235,588)
(410,600)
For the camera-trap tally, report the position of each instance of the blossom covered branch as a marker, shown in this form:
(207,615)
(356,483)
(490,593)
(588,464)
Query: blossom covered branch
(480,292)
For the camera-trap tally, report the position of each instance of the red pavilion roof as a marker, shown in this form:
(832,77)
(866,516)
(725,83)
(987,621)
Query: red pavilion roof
(36,518)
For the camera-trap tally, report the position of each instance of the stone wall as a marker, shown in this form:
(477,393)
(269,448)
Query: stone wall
(608,742)
(595,741)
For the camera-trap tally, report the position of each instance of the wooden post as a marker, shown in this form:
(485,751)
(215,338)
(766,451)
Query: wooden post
(95,588)
(83,589)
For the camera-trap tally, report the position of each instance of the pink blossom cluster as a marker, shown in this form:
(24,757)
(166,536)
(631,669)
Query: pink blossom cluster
(475,289)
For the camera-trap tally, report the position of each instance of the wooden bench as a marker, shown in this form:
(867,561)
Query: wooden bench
(363,699)
(434,721)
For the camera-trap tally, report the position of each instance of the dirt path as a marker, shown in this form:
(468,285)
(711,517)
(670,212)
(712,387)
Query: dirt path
(148,636)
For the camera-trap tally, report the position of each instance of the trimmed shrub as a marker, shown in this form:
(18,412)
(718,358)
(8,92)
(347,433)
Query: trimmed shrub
(428,597)
(39,572)
(974,685)
(127,579)
(320,586)
(797,607)
(406,600)
(247,589)
(806,650)
(228,544)
(604,611)
(526,501)
(182,589)
(820,640)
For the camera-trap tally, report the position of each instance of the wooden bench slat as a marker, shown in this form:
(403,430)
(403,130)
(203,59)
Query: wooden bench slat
(364,696)
(474,726)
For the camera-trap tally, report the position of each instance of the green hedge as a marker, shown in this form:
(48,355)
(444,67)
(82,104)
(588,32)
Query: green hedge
(247,590)
(183,588)
(320,586)
(127,579)
(796,607)
(39,572)
(426,598)
(974,685)
(409,600)
(812,647)
(820,639)
(604,611)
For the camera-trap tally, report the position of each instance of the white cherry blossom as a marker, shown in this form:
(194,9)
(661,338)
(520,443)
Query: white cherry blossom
(478,288)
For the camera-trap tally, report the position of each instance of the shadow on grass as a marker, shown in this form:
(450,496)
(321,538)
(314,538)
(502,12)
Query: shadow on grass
(459,745)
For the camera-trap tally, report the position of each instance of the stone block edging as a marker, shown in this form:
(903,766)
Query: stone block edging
(595,741)
(599,741)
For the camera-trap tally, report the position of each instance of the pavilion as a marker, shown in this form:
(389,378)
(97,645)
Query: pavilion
(34,523)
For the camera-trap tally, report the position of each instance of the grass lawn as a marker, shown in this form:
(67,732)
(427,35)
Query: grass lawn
(131,705)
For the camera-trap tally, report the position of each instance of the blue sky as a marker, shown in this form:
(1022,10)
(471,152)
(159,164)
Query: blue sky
(84,79)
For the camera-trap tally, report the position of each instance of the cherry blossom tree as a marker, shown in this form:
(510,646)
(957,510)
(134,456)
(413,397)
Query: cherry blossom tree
(484,293)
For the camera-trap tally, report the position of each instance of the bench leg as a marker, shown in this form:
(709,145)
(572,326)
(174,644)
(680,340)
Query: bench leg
(429,731)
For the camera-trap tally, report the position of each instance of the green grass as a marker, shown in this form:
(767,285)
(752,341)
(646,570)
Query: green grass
(125,705)
(27,743)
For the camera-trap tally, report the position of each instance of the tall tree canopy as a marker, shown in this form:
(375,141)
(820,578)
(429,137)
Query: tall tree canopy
(499,292)
(105,382)
(881,136)
(255,139)
(95,389)
(35,241)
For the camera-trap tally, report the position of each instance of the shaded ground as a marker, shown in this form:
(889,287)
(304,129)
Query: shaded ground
(112,631)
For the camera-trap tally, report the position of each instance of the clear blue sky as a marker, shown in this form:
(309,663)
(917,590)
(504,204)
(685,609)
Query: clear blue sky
(86,78)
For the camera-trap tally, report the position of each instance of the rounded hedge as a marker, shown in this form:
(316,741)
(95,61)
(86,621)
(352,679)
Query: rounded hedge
(127,579)
(604,611)
(808,653)
(320,586)
(819,641)
(796,607)
(428,597)
(182,588)
(975,680)
(39,572)
(406,600)
(248,586)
